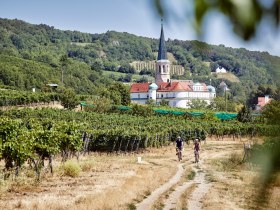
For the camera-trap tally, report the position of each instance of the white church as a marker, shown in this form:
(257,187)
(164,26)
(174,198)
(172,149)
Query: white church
(178,93)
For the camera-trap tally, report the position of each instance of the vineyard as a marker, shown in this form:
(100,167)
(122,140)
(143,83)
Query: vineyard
(34,135)
(14,98)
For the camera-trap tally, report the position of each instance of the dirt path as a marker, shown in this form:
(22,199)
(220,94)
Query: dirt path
(150,200)
(195,200)
(173,198)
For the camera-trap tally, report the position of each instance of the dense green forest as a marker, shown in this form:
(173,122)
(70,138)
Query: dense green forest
(35,55)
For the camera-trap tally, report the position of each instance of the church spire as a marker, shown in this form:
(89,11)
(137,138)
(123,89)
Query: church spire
(163,64)
(162,49)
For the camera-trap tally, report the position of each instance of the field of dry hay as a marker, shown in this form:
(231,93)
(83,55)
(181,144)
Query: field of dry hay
(121,182)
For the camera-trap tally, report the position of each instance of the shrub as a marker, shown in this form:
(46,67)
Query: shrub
(140,110)
(191,175)
(71,168)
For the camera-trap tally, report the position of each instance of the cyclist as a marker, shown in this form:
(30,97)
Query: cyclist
(179,147)
(196,149)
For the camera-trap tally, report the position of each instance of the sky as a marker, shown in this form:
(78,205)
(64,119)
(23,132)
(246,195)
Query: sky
(137,17)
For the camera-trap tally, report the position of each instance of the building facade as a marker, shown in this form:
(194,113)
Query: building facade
(178,93)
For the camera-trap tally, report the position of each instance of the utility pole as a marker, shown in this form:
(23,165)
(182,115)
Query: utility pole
(226,96)
(64,62)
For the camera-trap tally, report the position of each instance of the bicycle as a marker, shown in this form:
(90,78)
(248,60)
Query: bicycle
(179,153)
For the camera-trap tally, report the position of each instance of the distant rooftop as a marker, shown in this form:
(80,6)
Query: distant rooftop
(52,85)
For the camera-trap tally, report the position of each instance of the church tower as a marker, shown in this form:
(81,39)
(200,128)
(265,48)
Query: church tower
(163,64)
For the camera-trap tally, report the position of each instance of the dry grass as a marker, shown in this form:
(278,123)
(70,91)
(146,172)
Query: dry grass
(234,185)
(229,76)
(105,182)
(119,182)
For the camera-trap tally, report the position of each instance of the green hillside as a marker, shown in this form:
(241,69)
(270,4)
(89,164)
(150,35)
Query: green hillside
(31,54)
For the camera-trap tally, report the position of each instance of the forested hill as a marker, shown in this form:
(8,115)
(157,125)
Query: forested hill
(26,46)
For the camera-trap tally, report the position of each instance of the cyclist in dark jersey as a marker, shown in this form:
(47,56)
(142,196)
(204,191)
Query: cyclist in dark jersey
(179,143)
(179,147)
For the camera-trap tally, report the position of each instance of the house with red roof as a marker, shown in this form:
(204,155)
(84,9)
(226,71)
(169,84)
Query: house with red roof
(178,93)
(262,101)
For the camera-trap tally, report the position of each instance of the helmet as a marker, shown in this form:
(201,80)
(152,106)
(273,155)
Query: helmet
(178,137)
(196,140)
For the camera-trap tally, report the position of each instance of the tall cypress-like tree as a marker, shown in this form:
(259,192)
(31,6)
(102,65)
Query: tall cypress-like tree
(244,115)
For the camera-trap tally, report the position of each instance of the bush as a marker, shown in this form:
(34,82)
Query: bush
(69,99)
(71,168)
(140,110)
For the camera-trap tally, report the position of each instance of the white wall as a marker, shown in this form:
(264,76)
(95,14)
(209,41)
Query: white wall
(138,95)
(153,94)
(185,96)
(182,104)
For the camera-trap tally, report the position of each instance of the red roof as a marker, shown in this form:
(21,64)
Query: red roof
(139,87)
(165,87)
(173,86)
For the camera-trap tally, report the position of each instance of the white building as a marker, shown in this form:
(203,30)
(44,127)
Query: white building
(178,93)
(220,70)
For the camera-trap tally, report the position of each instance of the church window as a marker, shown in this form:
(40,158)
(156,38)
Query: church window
(159,69)
(163,68)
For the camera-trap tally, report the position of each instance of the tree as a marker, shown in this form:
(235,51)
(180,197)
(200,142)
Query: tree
(112,95)
(219,104)
(198,104)
(271,112)
(123,91)
(147,72)
(244,115)
(101,105)
(276,95)
(142,80)
(69,99)
(126,68)
(97,65)
(118,93)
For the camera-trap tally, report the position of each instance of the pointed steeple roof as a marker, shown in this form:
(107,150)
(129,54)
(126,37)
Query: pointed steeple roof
(162,55)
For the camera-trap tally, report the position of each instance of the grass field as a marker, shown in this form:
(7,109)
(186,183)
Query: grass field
(134,76)
(229,76)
